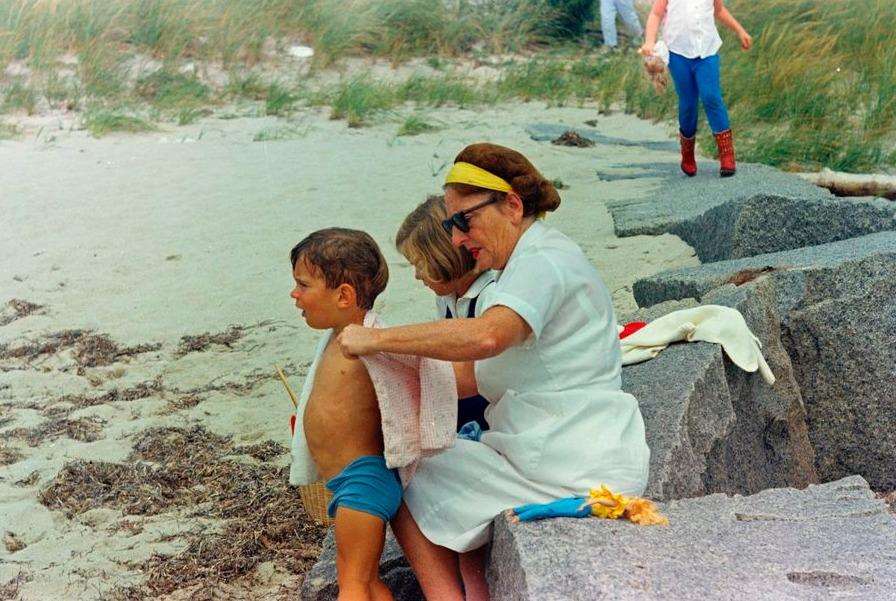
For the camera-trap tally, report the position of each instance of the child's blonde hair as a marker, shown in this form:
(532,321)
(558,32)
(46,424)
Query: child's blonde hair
(426,245)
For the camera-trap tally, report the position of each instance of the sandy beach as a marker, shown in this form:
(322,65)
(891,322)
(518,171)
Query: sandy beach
(144,298)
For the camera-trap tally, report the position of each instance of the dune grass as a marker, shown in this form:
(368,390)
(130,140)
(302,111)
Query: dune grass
(818,89)
(414,125)
(102,121)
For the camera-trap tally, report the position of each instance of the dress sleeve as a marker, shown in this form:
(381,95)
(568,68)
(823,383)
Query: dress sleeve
(533,287)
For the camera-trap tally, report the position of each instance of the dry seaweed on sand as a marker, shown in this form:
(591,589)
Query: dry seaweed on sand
(10,588)
(9,456)
(263,451)
(17,309)
(572,138)
(12,542)
(72,402)
(200,342)
(84,429)
(134,488)
(176,468)
(30,480)
(90,350)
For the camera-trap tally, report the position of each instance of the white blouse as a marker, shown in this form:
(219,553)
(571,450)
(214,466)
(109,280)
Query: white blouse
(690,28)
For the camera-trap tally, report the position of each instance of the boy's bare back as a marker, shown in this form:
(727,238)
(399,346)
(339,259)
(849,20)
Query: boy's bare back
(342,418)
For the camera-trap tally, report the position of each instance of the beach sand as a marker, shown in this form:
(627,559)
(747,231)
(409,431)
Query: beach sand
(126,244)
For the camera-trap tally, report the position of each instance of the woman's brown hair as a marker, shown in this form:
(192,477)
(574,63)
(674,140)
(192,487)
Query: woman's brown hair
(424,242)
(537,193)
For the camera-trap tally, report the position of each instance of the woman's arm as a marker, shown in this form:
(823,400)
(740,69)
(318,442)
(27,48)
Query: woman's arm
(465,375)
(653,26)
(496,330)
(728,20)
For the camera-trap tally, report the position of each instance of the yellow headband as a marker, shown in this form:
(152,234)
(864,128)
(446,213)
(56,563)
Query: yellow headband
(467,173)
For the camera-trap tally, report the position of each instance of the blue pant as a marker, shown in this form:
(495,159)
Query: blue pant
(367,485)
(697,79)
(608,10)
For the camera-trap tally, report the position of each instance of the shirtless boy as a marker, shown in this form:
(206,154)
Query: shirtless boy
(338,273)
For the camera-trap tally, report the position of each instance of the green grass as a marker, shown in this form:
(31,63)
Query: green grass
(17,96)
(169,90)
(279,100)
(100,122)
(818,89)
(286,132)
(414,125)
(8,131)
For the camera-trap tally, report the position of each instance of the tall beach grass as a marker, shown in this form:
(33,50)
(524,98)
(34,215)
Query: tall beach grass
(818,89)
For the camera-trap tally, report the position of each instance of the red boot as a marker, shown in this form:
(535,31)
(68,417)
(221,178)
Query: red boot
(726,153)
(688,162)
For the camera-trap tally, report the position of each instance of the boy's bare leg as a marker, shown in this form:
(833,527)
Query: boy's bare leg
(436,567)
(359,545)
(472,571)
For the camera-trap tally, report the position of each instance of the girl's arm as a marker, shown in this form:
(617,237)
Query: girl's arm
(728,20)
(653,26)
(489,335)
(465,375)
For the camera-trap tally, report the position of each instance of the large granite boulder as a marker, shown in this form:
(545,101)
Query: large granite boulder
(712,427)
(836,304)
(828,541)
(761,210)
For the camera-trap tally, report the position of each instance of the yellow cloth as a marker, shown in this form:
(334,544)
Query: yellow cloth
(467,173)
(609,505)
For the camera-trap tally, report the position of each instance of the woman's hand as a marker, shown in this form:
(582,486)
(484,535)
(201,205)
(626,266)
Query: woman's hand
(746,41)
(355,341)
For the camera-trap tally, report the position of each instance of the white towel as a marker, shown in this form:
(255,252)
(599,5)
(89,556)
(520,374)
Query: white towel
(708,323)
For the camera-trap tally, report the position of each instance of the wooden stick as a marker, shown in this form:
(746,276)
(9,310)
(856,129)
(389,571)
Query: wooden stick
(853,184)
(292,395)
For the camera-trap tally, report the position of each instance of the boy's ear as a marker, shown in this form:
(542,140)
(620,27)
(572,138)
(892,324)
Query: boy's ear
(346,296)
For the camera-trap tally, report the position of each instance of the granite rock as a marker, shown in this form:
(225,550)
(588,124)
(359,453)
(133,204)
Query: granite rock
(828,541)
(712,427)
(837,312)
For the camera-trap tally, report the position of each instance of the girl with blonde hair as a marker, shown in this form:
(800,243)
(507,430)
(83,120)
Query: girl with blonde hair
(449,272)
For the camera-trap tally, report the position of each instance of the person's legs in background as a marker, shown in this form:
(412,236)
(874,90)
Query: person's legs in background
(629,16)
(682,71)
(608,22)
(706,74)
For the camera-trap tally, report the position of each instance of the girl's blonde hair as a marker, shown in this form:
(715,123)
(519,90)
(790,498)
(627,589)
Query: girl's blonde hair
(426,245)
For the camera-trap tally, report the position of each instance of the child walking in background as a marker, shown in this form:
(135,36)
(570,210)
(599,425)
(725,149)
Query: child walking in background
(689,31)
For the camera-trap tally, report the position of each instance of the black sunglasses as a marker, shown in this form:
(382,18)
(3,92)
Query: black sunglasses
(459,219)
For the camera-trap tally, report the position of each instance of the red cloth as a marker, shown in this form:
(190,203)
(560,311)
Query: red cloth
(631,328)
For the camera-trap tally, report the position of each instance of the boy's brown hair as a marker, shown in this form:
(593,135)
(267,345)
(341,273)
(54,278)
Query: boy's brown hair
(424,242)
(344,256)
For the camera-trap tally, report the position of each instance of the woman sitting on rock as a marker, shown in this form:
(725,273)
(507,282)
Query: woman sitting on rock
(547,358)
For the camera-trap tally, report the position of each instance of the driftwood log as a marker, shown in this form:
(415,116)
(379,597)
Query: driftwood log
(854,184)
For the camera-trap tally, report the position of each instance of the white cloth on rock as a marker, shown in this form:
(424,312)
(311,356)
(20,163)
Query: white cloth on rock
(708,323)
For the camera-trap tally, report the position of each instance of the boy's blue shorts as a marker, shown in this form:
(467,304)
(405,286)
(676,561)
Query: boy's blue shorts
(367,485)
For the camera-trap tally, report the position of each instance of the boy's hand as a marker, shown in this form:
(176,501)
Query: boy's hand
(355,341)
(646,50)
(746,41)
